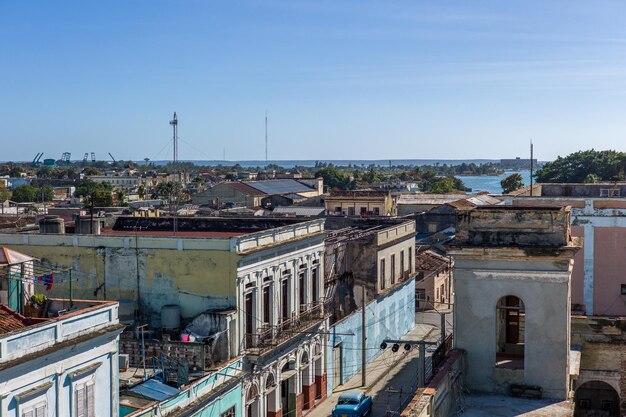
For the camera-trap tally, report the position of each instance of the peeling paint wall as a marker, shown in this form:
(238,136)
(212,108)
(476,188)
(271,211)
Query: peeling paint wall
(196,280)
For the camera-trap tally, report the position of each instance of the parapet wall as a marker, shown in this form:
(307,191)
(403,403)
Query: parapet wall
(513,226)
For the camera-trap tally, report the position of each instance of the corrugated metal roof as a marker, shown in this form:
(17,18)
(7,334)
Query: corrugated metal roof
(286,186)
(244,188)
(155,390)
(299,210)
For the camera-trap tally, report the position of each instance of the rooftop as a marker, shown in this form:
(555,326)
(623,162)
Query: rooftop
(358,194)
(282,186)
(475,405)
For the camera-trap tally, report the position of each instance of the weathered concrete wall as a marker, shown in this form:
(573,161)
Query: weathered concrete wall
(441,397)
(197,280)
(603,355)
(510,225)
(543,286)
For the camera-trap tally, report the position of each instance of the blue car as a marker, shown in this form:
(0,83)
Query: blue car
(353,404)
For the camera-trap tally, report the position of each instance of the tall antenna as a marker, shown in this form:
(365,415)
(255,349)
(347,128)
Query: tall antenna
(266,136)
(224,153)
(531,167)
(174,123)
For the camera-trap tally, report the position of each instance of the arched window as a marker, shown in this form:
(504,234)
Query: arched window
(510,326)
(270,381)
(304,359)
(253,392)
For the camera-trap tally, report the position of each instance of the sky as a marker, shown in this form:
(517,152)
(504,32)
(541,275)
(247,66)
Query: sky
(339,79)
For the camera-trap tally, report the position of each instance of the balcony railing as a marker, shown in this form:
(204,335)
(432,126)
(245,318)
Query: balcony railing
(270,336)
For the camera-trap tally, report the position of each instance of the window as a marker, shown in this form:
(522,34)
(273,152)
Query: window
(302,291)
(266,305)
(420,293)
(510,332)
(363,210)
(382,274)
(376,211)
(393,268)
(401,263)
(623,289)
(229,413)
(442,291)
(410,260)
(314,285)
(84,400)
(337,209)
(350,211)
(38,410)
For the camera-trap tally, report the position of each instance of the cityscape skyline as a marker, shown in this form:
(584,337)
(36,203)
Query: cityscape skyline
(339,80)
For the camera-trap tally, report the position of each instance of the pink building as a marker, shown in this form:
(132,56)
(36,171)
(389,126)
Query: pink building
(599,216)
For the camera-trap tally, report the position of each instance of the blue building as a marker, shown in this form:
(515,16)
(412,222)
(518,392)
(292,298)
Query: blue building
(390,315)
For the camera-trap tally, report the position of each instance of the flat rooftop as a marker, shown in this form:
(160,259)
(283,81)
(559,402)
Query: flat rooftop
(198,227)
(108,231)
(477,405)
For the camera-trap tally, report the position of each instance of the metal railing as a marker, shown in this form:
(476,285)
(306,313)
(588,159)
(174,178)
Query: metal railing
(269,336)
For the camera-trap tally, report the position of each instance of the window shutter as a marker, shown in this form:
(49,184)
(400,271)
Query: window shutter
(91,405)
(40,411)
(80,402)
(28,413)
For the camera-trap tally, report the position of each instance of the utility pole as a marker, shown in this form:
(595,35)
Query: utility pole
(363,336)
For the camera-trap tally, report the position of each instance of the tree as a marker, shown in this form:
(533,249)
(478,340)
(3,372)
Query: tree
(141,191)
(4,193)
(45,193)
(511,183)
(578,166)
(334,178)
(95,194)
(447,185)
(121,197)
(24,194)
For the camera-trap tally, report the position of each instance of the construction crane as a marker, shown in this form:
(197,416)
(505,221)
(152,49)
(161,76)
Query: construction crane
(66,157)
(114,161)
(37,158)
(93,157)
(85,157)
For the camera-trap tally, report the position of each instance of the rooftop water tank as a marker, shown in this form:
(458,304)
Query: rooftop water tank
(52,225)
(170,316)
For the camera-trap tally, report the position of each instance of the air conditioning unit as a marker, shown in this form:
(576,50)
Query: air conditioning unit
(124,361)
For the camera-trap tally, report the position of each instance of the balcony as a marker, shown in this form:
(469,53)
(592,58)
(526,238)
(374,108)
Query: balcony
(270,336)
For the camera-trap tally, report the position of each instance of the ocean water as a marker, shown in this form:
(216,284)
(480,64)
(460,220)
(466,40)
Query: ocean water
(490,183)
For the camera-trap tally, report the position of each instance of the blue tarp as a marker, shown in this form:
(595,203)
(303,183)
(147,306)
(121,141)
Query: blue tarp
(155,390)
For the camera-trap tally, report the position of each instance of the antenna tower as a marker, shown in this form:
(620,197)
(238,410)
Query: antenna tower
(531,167)
(174,123)
(266,137)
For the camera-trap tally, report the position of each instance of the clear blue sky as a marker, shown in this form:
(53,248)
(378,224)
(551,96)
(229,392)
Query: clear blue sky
(340,79)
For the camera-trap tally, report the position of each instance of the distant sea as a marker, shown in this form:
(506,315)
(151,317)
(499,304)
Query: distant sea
(339,162)
(478,183)
(490,183)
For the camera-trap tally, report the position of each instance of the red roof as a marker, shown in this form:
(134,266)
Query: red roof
(10,321)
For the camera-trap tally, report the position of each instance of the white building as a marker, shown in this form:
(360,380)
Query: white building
(65,366)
